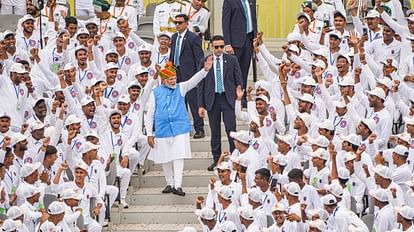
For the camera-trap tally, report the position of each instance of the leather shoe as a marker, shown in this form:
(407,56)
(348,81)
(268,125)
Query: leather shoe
(179,192)
(212,166)
(199,135)
(168,189)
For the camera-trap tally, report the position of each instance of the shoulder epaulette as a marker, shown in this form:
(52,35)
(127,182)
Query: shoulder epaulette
(206,8)
(161,2)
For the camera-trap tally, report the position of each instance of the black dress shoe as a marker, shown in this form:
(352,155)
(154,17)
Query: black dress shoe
(212,166)
(199,135)
(168,189)
(179,192)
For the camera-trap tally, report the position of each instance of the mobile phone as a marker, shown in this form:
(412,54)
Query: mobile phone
(273,183)
(365,31)
(326,23)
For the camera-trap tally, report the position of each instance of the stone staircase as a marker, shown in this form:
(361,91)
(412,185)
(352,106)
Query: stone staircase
(150,210)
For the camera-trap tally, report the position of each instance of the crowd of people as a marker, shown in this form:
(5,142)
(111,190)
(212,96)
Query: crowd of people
(331,126)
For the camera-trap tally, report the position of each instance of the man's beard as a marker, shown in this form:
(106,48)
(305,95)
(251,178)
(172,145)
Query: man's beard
(170,86)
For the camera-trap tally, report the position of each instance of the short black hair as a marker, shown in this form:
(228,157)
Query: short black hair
(70,20)
(24,62)
(50,150)
(217,38)
(264,172)
(295,174)
(184,16)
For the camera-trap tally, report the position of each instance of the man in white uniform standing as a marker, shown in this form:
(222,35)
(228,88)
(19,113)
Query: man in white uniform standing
(170,142)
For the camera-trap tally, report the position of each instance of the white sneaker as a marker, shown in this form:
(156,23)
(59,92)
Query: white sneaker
(124,204)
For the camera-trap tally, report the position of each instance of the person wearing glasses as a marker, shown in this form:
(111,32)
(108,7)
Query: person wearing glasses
(186,54)
(217,95)
(164,16)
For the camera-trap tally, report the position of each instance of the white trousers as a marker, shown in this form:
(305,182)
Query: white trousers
(143,149)
(17,10)
(134,157)
(112,191)
(174,178)
(125,176)
(94,226)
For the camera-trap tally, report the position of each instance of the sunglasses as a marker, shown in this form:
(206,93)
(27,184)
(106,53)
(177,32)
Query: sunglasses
(178,22)
(219,46)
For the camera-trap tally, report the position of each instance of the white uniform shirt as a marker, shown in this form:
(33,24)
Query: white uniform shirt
(197,18)
(385,219)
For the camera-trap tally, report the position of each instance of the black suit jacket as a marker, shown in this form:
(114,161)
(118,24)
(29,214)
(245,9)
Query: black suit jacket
(231,79)
(190,56)
(234,22)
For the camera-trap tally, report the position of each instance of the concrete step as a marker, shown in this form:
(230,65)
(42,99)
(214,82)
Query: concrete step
(155,179)
(148,196)
(203,144)
(159,214)
(153,227)
(240,125)
(198,160)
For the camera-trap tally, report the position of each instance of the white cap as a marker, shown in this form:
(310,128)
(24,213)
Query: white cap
(134,83)
(344,173)
(344,56)
(56,207)
(29,168)
(328,199)
(243,160)
(27,17)
(224,166)
(263,98)
(377,92)
(255,195)
(405,137)
(335,189)
(409,120)
(340,13)
(4,115)
(111,51)
(48,226)
(6,33)
(320,141)
(280,159)
(370,123)
(90,21)
(401,150)
(111,65)
(82,165)
(410,17)
(228,226)
(306,173)
(308,80)
(293,48)
(206,213)
(294,36)
(302,14)
(306,118)
(321,154)
(405,212)
(141,70)
(288,139)
(319,63)
(71,194)
(144,47)
(246,213)
(124,99)
(317,224)
(347,81)
(122,17)
(386,82)
(326,124)
(29,190)
(321,52)
(278,207)
(86,100)
(82,31)
(68,66)
(293,188)
(17,138)
(373,14)
(17,68)
(353,139)
(118,35)
(10,225)
(15,212)
(241,136)
(37,125)
(335,34)
(80,47)
(72,119)
(349,156)
(306,98)
(225,192)
(340,104)
(88,146)
(382,171)
(380,194)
